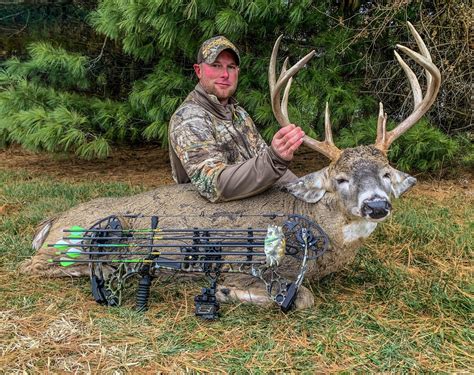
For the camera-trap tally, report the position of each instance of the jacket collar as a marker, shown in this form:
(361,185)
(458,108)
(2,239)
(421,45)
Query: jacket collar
(212,104)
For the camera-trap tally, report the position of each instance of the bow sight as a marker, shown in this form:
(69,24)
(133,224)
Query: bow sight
(115,252)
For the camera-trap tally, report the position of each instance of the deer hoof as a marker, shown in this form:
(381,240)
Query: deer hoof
(304,299)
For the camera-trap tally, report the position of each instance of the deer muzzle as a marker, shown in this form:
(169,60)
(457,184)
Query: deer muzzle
(376,209)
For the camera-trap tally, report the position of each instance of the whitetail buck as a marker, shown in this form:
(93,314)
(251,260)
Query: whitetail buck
(348,198)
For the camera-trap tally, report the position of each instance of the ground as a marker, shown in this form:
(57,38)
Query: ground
(405,305)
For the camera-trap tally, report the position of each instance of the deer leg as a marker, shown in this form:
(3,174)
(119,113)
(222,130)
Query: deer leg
(248,289)
(243,288)
(257,296)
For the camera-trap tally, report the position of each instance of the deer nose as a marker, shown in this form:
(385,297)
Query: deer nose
(376,209)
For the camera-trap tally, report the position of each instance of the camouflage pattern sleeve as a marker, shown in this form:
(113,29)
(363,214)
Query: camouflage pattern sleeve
(260,141)
(247,128)
(193,140)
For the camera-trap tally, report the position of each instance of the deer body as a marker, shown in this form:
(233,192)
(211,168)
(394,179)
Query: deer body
(191,210)
(181,206)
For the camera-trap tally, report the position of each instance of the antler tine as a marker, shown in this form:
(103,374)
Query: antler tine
(415,85)
(286,93)
(327,147)
(423,49)
(381,125)
(280,109)
(285,76)
(327,126)
(421,103)
(272,82)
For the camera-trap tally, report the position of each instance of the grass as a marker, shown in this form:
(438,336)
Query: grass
(405,304)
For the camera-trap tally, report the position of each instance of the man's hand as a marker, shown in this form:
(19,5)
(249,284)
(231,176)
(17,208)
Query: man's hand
(287,140)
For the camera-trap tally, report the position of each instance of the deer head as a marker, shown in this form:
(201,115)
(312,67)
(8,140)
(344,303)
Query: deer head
(361,178)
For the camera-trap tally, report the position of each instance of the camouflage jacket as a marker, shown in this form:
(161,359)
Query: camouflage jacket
(219,150)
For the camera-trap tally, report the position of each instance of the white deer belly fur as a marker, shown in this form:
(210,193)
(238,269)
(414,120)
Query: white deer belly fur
(357,230)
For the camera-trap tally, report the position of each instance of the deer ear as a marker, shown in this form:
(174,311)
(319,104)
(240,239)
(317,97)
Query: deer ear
(310,188)
(401,182)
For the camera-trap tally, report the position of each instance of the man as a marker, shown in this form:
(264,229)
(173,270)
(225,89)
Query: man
(214,142)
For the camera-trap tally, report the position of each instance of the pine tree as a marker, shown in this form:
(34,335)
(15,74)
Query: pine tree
(170,33)
(126,87)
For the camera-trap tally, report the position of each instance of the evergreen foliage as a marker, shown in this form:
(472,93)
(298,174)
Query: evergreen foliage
(37,112)
(172,31)
(53,65)
(466,150)
(61,98)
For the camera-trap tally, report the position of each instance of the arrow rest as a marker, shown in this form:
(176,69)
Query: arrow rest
(110,247)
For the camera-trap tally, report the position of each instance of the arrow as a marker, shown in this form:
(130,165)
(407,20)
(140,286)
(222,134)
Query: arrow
(69,262)
(136,245)
(165,238)
(166,230)
(76,253)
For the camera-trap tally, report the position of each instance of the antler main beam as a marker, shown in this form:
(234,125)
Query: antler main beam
(280,109)
(421,103)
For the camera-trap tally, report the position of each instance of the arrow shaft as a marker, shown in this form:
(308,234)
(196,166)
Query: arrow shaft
(159,253)
(157,261)
(126,245)
(167,230)
(202,214)
(166,238)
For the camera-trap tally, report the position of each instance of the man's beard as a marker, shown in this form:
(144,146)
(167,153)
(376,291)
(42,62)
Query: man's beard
(211,89)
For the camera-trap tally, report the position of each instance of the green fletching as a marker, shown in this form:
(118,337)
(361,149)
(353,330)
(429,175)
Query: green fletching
(77,231)
(63,263)
(66,263)
(61,245)
(73,253)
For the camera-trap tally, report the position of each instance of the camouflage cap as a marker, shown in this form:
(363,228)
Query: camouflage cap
(211,48)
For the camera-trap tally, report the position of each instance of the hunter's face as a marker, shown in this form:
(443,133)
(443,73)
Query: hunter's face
(219,78)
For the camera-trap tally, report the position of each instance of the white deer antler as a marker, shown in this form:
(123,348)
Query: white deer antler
(280,109)
(422,104)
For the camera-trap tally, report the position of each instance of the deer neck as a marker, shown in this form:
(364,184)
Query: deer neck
(341,229)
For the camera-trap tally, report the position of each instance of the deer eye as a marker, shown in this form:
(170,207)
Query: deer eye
(387,175)
(341,181)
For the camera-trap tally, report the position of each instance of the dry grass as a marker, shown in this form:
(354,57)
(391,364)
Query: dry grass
(405,305)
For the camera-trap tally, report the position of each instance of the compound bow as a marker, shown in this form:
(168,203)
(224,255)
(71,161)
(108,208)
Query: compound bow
(115,253)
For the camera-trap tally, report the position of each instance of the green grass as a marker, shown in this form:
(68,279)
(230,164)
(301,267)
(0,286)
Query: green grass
(404,305)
